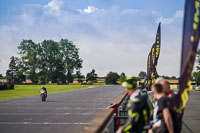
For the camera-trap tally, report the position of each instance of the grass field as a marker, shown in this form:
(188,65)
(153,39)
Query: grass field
(31,90)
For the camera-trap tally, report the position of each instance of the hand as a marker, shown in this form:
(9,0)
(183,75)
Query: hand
(150,131)
(111,106)
(119,130)
(154,126)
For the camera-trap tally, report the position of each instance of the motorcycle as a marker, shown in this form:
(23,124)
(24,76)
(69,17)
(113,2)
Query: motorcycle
(43,95)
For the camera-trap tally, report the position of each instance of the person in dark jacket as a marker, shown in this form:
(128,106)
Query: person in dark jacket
(43,88)
(164,122)
(140,109)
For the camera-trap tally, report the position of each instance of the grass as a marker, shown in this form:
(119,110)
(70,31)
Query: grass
(31,90)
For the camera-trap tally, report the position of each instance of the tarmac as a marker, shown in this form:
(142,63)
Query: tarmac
(66,112)
(69,112)
(191,119)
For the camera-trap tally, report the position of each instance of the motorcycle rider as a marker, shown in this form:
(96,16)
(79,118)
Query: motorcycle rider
(45,90)
(140,109)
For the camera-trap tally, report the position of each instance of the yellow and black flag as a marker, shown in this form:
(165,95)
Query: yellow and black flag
(153,58)
(191,32)
(149,69)
(157,49)
(153,68)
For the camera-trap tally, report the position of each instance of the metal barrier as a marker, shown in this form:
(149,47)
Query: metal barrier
(109,120)
(122,113)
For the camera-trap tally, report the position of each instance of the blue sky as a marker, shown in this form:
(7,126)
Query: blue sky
(165,7)
(113,35)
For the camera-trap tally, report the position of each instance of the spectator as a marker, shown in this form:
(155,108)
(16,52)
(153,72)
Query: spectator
(164,123)
(140,109)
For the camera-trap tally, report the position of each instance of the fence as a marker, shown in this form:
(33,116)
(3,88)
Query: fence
(109,119)
(6,86)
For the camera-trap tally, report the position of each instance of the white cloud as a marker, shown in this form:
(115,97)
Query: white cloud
(109,40)
(54,6)
(177,17)
(90,9)
(165,20)
(155,13)
(130,11)
(178,14)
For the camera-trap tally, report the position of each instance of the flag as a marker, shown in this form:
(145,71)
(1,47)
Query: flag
(190,40)
(156,53)
(157,47)
(149,68)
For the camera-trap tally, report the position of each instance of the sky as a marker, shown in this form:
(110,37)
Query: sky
(112,35)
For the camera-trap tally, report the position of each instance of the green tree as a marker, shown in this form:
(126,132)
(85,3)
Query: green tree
(69,77)
(173,78)
(122,77)
(92,76)
(50,60)
(70,56)
(14,73)
(112,78)
(30,59)
(198,60)
(196,77)
(142,74)
(79,76)
(51,64)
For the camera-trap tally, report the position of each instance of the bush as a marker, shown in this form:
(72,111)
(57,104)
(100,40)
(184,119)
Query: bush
(112,78)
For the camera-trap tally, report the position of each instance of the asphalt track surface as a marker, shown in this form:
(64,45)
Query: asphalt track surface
(191,119)
(66,112)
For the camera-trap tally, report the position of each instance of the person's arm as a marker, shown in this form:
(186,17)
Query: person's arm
(168,120)
(133,117)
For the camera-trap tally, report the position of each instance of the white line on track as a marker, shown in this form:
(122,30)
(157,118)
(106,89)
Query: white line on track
(80,108)
(41,123)
(46,114)
(16,108)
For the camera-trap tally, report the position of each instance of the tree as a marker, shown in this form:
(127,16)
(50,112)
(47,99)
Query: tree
(51,63)
(14,73)
(198,60)
(79,76)
(50,60)
(69,77)
(112,78)
(91,76)
(29,56)
(70,57)
(196,77)
(122,77)
(173,78)
(142,74)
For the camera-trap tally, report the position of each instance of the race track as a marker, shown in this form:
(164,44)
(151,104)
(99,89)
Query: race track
(65,112)
(191,119)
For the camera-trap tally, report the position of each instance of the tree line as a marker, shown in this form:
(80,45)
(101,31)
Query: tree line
(48,61)
(58,62)
(51,61)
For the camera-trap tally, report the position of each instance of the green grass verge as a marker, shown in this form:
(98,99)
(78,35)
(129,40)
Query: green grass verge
(31,90)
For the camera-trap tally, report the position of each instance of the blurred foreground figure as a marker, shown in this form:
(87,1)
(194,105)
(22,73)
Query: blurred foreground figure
(140,109)
(163,122)
(165,85)
(176,116)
